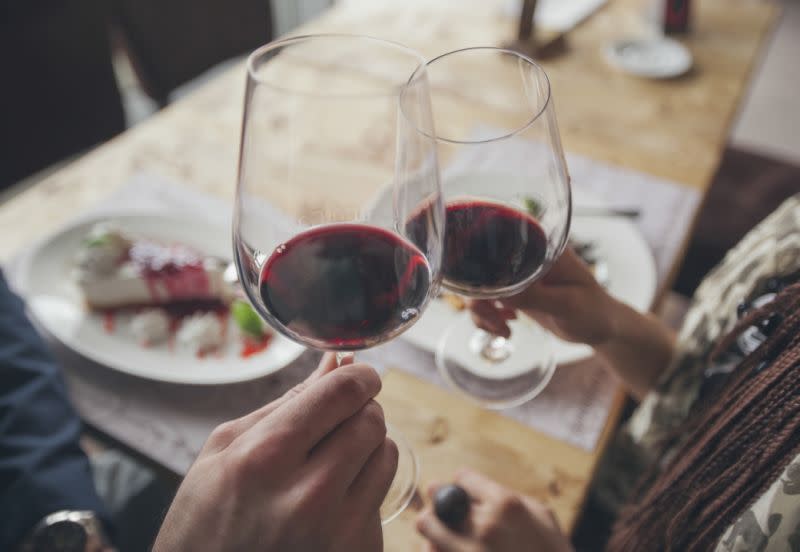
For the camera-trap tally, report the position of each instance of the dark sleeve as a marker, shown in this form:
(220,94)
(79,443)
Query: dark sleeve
(42,467)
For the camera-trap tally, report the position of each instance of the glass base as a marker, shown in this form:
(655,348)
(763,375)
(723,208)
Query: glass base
(493,371)
(404,484)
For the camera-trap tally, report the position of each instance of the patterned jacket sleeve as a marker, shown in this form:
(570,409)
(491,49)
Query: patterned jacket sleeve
(770,249)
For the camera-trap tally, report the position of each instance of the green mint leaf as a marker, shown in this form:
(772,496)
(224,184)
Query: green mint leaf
(96,241)
(247,319)
(532,206)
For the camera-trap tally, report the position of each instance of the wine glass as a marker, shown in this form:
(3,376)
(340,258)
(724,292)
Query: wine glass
(333,126)
(508,211)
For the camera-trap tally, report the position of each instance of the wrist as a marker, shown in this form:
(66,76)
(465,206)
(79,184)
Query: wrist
(619,319)
(639,348)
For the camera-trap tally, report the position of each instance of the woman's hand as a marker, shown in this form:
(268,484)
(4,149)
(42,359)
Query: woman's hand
(570,303)
(499,521)
(307,472)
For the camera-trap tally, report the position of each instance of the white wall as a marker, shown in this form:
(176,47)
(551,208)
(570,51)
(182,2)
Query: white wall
(770,118)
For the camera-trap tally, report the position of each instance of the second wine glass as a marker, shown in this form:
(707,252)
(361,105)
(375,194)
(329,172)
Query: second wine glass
(333,124)
(508,212)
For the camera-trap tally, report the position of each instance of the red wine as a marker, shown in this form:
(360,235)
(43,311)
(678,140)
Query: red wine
(345,286)
(488,246)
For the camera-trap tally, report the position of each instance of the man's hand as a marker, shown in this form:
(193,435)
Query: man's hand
(499,521)
(307,472)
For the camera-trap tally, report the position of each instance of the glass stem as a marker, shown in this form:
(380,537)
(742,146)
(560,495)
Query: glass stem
(341,356)
(493,348)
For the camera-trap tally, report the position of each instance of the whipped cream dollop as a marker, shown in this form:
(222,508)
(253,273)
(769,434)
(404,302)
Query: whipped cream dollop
(201,333)
(150,327)
(102,251)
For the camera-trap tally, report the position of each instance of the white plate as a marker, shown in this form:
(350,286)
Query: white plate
(57,305)
(655,58)
(632,279)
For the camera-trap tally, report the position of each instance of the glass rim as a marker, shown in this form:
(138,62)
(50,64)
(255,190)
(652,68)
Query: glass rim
(519,130)
(283,42)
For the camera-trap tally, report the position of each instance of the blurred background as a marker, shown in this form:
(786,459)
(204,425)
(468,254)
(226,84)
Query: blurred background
(116,63)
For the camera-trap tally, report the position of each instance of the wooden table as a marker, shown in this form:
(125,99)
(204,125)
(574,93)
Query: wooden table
(674,129)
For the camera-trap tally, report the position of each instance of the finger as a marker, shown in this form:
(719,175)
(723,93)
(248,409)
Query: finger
(493,310)
(319,408)
(569,273)
(432,488)
(489,318)
(443,538)
(479,487)
(373,482)
(492,307)
(491,326)
(506,313)
(485,307)
(344,451)
(541,512)
(328,363)
(232,429)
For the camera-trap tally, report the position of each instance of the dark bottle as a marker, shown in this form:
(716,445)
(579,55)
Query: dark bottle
(676,16)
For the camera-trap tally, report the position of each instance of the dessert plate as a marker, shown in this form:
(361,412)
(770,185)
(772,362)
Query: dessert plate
(45,279)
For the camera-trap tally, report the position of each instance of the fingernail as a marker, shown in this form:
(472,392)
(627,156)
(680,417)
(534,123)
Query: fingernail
(421,520)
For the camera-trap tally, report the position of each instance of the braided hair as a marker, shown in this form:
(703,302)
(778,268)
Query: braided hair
(735,447)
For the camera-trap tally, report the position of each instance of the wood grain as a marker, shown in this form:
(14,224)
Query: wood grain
(448,432)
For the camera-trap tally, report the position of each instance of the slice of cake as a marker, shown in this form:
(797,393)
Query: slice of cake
(117,271)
